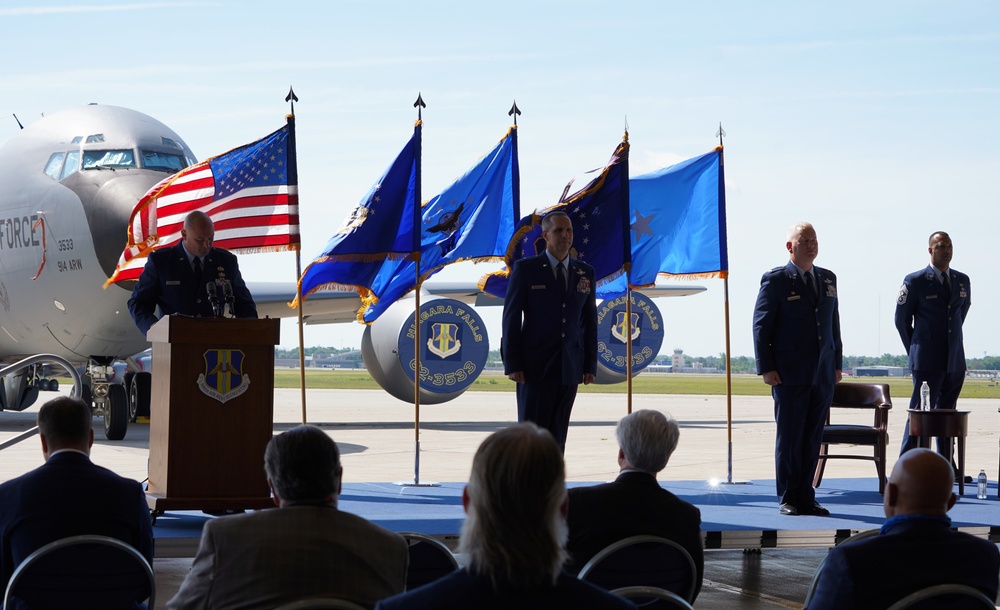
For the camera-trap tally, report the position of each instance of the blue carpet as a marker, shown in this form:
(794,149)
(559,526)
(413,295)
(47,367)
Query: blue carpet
(733,515)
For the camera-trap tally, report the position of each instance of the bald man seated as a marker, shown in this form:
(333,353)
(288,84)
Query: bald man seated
(916,547)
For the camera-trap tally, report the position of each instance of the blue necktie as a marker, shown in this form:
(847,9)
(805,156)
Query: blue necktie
(810,284)
(561,278)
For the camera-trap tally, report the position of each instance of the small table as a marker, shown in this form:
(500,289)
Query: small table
(942,422)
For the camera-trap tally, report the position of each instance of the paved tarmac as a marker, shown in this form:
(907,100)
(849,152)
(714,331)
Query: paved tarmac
(376,434)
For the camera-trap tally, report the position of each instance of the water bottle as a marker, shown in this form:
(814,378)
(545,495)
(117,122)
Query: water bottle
(981,490)
(925,397)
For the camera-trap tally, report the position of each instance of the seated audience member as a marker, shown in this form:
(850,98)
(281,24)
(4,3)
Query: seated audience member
(513,535)
(69,495)
(634,504)
(915,549)
(305,548)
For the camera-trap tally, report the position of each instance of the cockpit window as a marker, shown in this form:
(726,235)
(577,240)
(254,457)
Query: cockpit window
(72,163)
(108,159)
(162,161)
(97,137)
(54,164)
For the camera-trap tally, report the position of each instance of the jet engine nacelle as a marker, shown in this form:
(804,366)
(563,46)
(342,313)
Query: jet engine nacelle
(646,337)
(454,347)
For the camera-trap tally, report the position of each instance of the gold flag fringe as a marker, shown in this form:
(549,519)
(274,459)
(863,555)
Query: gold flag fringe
(267,249)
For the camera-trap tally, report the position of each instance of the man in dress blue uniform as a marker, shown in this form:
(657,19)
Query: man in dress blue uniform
(550,329)
(796,332)
(930,312)
(176,279)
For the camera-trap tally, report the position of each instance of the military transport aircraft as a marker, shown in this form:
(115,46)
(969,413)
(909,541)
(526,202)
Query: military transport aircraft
(68,184)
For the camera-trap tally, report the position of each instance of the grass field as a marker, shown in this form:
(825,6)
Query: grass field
(648,383)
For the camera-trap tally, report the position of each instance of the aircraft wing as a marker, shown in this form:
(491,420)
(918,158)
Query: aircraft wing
(333,307)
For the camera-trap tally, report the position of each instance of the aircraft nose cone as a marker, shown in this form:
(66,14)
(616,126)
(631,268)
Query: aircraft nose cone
(108,200)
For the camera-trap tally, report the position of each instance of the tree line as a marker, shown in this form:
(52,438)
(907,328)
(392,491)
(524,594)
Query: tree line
(740,364)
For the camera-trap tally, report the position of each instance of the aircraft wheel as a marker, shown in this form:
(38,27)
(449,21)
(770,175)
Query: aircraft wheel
(116,413)
(53,385)
(139,395)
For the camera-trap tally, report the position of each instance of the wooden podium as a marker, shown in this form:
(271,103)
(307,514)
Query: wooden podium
(211,413)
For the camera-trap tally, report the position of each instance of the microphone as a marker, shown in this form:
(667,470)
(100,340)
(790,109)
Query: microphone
(227,291)
(213,298)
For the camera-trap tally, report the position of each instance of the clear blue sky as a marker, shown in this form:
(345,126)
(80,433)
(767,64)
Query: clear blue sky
(875,121)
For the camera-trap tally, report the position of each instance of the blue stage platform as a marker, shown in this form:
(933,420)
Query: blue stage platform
(739,515)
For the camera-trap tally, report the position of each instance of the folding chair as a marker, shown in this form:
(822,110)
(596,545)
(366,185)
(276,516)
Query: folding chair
(950,597)
(653,598)
(430,559)
(648,561)
(80,572)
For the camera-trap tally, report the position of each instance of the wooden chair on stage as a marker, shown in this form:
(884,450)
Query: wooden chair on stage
(863,396)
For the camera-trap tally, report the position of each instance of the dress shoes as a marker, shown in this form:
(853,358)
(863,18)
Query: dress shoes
(968,479)
(788,509)
(814,509)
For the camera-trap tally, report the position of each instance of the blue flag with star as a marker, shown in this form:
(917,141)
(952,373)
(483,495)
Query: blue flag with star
(678,221)
(599,213)
(473,219)
(379,229)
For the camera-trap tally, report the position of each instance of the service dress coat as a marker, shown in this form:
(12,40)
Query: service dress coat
(930,320)
(168,285)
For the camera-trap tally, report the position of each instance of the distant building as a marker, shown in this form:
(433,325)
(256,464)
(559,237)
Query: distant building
(677,362)
(881,371)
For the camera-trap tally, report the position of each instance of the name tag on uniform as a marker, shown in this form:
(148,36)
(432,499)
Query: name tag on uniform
(932,296)
(794,297)
(538,287)
(173,282)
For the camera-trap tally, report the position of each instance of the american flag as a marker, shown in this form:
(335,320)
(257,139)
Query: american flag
(250,193)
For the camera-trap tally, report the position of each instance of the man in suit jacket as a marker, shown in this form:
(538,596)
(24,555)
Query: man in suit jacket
(549,340)
(930,312)
(69,495)
(513,536)
(796,332)
(634,504)
(305,548)
(916,547)
(188,277)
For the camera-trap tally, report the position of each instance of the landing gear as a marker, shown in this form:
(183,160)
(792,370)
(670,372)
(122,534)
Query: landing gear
(109,399)
(140,389)
(127,382)
(116,413)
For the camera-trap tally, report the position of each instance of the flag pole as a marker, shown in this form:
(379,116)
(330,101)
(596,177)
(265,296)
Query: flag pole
(627,246)
(415,254)
(293,169)
(725,288)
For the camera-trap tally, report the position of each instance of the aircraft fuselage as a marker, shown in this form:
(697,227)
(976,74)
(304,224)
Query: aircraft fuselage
(68,184)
